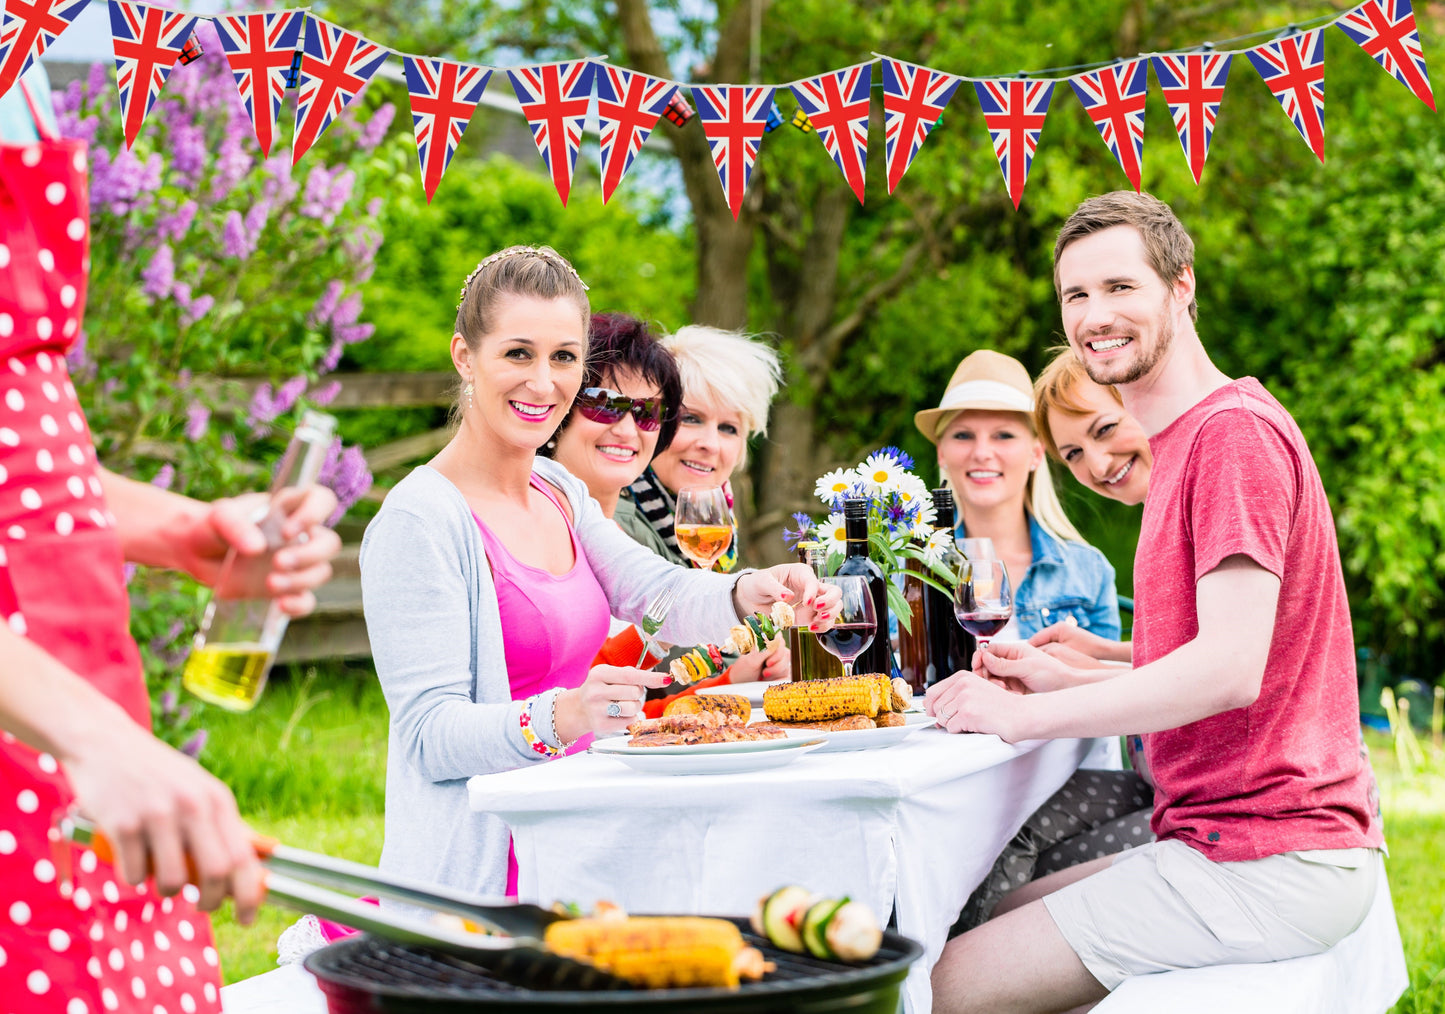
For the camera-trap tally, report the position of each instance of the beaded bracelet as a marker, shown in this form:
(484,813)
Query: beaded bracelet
(529,734)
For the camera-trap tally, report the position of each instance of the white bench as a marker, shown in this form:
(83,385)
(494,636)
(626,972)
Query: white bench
(1362,974)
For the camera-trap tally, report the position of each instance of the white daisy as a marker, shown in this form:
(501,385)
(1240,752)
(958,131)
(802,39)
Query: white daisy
(911,489)
(834,484)
(833,534)
(881,472)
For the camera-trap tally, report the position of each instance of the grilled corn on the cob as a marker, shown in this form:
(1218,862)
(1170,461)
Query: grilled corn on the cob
(661,952)
(817,700)
(718,704)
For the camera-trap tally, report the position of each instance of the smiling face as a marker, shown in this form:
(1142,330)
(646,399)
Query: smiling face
(608,457)
(1105,447)
(705,449)
(1119,315)
(525,371)
(988,456)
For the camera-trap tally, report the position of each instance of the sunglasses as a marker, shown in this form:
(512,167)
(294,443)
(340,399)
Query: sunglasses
(601,405)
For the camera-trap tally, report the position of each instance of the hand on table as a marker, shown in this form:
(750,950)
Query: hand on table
(160,809)
(1071,635)
(966,702)
(1019,667)
(772,664)
(299,566)
(607,688)
(814,603)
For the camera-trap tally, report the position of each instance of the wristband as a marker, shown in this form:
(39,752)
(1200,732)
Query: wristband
(534,741)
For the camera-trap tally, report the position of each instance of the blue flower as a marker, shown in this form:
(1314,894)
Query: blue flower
(793,536)
(898,455)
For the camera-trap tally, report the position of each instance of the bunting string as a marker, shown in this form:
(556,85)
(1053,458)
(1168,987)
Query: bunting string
(329,65)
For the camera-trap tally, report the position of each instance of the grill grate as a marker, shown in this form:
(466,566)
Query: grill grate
(401,977)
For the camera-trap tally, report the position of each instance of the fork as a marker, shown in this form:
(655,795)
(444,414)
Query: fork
(652,620)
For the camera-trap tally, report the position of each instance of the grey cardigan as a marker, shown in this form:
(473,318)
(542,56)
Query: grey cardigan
(436,638)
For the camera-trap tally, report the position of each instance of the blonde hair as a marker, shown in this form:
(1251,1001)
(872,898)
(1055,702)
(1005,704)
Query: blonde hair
(729,368)
(538,272)
(1058,389)
(1041,500)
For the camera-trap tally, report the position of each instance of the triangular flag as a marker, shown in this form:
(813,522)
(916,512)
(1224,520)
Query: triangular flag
(1293,69)
(27,29)
(913,99)
(260,48)
(554,98)
(1114,98)
(628,107)
(444,95)
(733,118)
(1193,85)
(335,64)
(1014,110)
(837,105)
(148,42)
(1386,30)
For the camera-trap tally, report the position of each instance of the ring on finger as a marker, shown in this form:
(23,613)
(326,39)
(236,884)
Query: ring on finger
(614,709)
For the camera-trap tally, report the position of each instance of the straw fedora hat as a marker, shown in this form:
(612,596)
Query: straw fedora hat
(984,380)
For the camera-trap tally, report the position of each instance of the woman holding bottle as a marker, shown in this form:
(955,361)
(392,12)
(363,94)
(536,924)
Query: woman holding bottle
(991,457)
(490,573)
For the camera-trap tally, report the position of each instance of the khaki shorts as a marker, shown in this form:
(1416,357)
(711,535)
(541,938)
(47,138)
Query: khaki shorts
(1164,906)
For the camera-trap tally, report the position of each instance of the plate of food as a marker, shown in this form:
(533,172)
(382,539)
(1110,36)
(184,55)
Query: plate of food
(704,735)
(861,712)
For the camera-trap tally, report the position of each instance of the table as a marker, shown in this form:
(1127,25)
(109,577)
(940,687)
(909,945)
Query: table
(911,829)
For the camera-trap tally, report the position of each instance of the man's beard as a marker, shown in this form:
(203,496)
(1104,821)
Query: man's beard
(1141,365)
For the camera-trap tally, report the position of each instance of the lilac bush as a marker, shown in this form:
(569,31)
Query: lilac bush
(224,287)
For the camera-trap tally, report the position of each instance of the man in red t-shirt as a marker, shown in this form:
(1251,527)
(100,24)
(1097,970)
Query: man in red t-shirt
(1243,680)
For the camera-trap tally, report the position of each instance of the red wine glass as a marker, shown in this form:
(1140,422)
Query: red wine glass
(983,602)
(854,623)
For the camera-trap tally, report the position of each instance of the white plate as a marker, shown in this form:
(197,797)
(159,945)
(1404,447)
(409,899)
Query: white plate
(864,739)
(752,691)
(620,746)
(695,760)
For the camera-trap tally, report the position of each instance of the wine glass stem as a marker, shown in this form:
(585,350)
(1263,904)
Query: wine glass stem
(848,667)
(983,643)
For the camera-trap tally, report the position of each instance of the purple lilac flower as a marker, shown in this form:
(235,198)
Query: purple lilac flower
(109,387)
(326,394)
(280,187)
(375,130)
(76,358)
(232,164)
(165,476)
(228,442)
(198,420)
(332,357)
(169,699)
(288,393)
(262,409)
(160,274)
(173,227)
(117,183)
(187,143)
(192,747)
(159,644)
(345,472)
(256,219)
(234,241)
(343,321)
(325,306)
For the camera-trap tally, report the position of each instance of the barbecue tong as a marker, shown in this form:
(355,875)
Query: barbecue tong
(299,880)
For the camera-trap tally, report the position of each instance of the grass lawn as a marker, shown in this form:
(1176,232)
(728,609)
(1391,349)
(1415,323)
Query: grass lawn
(309,767)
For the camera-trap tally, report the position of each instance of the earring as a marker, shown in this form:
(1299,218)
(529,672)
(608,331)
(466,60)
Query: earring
(552,444)
(467,393)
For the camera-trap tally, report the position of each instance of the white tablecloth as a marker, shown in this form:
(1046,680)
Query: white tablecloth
(914,827)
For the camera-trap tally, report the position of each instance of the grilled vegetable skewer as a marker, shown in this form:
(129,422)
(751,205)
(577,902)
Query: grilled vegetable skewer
(754,634)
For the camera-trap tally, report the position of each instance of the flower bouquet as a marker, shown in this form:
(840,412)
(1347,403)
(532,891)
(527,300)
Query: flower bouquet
(900,523)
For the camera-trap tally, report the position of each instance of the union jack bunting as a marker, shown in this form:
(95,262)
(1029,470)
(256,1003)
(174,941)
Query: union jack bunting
(837,105)
(28,28)
(1014,110)
(443,97)
(1114,99)
(148,42)
(913,101)
(1293,69)
(1193,86)
(554,98)
(335,64)
(733,118)
(1386,30)
(260,49)
(628,107)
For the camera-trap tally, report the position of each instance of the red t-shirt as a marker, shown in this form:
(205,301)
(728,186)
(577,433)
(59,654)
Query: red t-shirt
(1233,476)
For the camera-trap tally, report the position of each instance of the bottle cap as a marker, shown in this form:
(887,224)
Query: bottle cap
(942,498)
(855,509)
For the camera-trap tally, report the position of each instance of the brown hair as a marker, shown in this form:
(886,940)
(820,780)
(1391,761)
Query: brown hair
(1166,244)
(538,272)
(1057,388)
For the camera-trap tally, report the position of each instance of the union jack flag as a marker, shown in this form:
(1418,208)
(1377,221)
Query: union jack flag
(837,105)
(1293,69)
(628,107)
(29,26)
(260,48)
(1193,86)
(1114,99)
(913,100)
(554,98)
(733,118)
(444,95)
(1386,30)
(335,64)
(148,42)
(1014,111)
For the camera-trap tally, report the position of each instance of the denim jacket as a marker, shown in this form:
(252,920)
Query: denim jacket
(1065,579)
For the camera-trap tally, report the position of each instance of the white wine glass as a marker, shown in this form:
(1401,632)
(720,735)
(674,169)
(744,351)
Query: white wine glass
(854,623)
(983,602)
(703,522)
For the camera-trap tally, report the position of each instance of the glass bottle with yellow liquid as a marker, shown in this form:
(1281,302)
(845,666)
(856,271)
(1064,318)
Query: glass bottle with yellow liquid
(238,639)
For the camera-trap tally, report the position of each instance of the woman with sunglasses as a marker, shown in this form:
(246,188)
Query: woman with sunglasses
(490,573)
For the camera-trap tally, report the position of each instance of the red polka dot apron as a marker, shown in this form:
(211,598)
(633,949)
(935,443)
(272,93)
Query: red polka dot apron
(76,940)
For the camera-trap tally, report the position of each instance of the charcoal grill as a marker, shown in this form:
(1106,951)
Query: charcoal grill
(369,975)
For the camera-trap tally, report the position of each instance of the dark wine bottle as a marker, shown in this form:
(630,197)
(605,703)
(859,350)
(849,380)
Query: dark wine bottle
(878,656)
(950,647)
